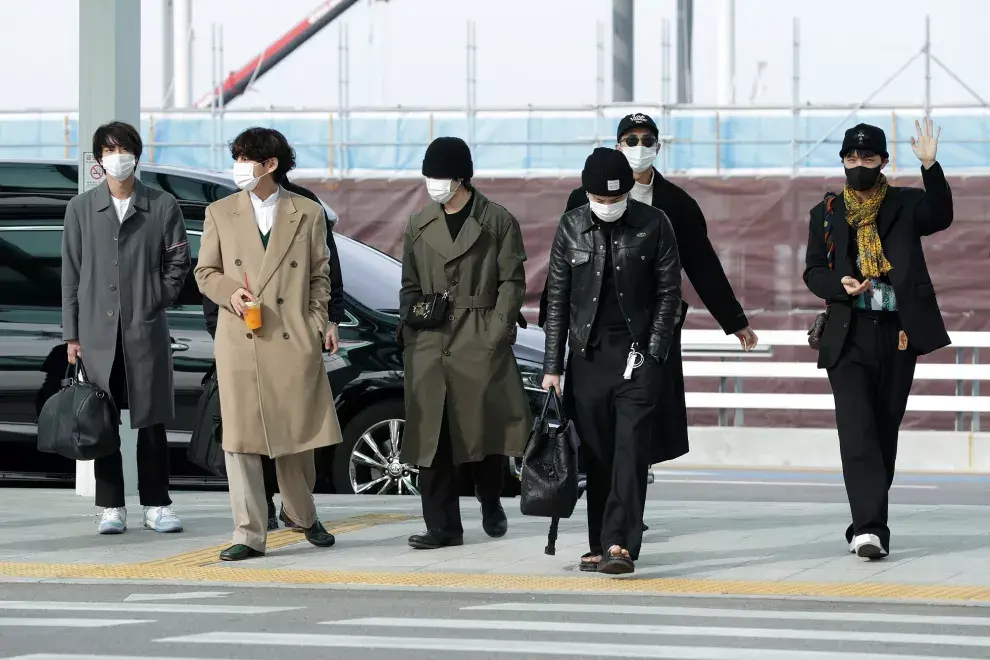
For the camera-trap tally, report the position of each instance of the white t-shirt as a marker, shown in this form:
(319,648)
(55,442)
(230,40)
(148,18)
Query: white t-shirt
(121,206)
(643,192)
(264,211)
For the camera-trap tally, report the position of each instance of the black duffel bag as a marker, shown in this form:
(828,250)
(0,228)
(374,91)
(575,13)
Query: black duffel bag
(205,446)
(549,477)
(80,421)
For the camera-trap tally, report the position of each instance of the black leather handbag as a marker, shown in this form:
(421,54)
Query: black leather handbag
(818,325)
(206,445)
(549,477)
(428,311)
(80,421)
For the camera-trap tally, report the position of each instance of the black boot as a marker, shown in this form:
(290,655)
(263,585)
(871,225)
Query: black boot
(319,536)
(272,518)
(434,539)
(289,524)
(239,552)
(493,520)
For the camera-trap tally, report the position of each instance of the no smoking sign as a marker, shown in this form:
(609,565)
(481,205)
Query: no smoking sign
(93,173)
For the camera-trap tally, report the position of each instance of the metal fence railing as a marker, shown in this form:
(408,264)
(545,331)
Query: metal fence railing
(366,142)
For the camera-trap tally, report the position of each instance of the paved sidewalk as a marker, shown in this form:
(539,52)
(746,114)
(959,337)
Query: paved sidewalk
(939,552)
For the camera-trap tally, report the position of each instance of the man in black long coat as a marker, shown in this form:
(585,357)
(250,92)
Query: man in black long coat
(638,139)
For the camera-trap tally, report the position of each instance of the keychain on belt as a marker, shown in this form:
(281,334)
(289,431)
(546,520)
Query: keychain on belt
(634,360)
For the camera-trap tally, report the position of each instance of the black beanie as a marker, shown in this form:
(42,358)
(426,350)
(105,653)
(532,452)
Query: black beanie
(448,158)
(637,120)
(864,137)
(607,173)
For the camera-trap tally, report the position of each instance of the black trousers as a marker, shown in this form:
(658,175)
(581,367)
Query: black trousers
(613,417)
(440,489)
(152,453)
(271,479)
(871,382)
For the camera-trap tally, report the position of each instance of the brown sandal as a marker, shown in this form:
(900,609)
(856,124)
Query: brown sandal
(617,563)
(589,562)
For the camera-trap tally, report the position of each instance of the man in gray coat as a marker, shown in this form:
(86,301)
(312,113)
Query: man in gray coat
(125,256)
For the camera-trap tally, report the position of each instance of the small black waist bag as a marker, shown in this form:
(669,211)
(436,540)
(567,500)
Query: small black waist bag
(428,311)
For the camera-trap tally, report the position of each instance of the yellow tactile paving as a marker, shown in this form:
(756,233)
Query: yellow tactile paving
(281,539)
(202,565)
(243,574)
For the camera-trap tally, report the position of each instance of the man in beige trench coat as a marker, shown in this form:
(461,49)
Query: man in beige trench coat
(464,396)
(268,245)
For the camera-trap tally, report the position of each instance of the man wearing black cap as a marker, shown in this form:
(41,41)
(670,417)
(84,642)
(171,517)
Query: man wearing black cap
(463,284)
(638,140)
(865,260)
(614,293)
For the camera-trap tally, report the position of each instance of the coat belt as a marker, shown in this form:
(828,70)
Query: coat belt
(483,301)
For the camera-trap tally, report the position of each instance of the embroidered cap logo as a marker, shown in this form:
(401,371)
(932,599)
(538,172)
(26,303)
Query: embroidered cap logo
(613,185)
(861,136)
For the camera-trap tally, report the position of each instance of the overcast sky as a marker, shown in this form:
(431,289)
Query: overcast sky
(529,51)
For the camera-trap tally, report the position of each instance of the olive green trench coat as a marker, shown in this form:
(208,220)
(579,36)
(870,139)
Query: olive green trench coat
(467,363)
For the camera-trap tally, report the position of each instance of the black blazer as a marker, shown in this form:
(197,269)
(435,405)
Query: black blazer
(211,311)
(905,215)
(698,257)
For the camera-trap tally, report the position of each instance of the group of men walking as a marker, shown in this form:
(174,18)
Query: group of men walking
(612,311)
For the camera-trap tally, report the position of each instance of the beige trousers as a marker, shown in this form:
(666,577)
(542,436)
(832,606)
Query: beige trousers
(296,478)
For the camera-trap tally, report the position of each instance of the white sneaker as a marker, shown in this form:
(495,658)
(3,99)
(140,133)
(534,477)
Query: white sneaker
(161,519)
(113,520)
(868,546)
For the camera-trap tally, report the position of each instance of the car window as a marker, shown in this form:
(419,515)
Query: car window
(187,189)
(37,177)
(371,277)
(31,267)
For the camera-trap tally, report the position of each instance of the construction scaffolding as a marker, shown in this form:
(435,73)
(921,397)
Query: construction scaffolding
(724,140)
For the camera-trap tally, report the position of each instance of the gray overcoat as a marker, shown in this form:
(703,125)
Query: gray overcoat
(466,364)
(125,274)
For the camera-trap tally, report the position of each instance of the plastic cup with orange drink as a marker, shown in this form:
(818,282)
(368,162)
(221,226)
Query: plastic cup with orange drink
(252,314)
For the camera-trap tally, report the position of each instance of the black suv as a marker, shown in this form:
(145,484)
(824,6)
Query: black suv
(366,374)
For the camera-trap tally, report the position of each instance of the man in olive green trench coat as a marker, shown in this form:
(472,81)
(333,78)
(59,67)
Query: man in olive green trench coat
(465,401)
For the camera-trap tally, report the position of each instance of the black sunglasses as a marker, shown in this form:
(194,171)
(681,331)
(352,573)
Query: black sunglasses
(634,140)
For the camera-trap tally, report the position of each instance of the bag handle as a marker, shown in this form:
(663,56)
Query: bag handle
(557,407)
(74,371)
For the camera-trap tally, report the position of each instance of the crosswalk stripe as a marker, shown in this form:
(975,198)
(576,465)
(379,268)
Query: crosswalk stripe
(789,484)
(650,610)
(93,656)
(668,631)
(66,623)
(159,608)
(530,647)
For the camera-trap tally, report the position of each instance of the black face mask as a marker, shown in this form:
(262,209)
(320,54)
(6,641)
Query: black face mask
(862,178)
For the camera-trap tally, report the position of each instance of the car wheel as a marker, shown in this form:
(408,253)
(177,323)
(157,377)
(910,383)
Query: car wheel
(367,461)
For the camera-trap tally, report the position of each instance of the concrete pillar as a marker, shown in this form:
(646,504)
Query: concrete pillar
(183,33)
(168,57)
(726,52)
(109,89)
(623,55)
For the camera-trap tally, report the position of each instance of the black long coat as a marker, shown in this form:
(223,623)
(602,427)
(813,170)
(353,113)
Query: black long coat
(904,217)
(704,271)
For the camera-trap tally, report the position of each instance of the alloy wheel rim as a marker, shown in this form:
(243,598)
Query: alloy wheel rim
(374,466)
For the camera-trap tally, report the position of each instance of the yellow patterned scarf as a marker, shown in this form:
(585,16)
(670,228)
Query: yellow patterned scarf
(862,215)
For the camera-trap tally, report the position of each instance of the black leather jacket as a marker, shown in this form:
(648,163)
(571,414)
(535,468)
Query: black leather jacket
(647,273)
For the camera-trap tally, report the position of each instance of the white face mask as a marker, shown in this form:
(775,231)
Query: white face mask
(119,166)
(440,190)
(640,158)
(609,212)
(244,176)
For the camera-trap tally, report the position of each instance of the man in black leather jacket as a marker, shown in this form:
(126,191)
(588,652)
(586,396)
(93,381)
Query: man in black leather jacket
(331,341)
(614,293)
